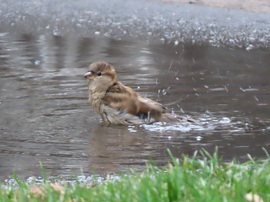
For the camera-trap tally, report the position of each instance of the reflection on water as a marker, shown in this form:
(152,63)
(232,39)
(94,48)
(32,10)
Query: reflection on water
(45,115)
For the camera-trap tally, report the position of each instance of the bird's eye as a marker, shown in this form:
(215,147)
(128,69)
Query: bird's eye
(99,73)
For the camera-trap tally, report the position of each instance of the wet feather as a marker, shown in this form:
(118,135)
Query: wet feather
(120,104)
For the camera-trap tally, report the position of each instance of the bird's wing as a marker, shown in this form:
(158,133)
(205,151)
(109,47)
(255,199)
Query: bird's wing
(125,99)
(115,116)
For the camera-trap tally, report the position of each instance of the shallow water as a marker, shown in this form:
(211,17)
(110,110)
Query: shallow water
(45,116)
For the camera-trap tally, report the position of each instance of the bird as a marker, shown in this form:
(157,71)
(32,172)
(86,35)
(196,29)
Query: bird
(119,104)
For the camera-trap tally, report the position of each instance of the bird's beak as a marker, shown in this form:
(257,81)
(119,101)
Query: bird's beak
(89,76)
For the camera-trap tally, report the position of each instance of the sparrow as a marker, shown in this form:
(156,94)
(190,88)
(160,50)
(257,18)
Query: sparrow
(120,104)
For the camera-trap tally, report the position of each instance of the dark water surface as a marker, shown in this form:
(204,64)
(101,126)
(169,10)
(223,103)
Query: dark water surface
(45,116)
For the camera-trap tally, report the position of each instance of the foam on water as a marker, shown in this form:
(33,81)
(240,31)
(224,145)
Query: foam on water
(205,123)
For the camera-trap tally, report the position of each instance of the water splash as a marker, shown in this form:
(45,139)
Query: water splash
(205,123)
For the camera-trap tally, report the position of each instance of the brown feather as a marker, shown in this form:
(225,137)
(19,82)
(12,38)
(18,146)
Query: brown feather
(120,104)
(125,98)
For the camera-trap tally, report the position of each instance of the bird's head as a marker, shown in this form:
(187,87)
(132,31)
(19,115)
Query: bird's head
(101,75)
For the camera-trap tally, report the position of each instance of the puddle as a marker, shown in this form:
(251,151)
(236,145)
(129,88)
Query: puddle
(45,116)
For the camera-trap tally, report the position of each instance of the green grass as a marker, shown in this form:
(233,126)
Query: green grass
(203,177)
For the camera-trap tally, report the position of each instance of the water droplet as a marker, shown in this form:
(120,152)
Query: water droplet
(225,120)
(56,32)
(256,98)
(250,47)
(37,62)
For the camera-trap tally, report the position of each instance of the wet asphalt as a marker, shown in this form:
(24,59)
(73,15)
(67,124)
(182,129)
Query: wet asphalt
(137,20)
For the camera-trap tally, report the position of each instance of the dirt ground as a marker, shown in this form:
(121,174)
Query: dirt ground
(248,5)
